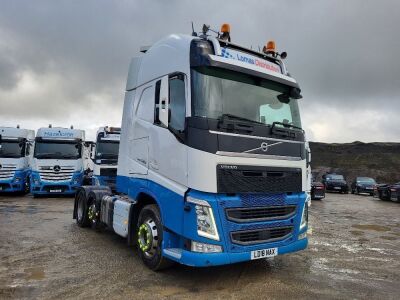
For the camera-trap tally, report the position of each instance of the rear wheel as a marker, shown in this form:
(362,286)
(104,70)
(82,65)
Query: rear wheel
(150,237)
(82,218)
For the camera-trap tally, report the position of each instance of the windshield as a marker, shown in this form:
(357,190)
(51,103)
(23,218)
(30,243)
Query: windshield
(14,149)
(365,180)
(216,92)
(335,177)
(57,150)
(107,150)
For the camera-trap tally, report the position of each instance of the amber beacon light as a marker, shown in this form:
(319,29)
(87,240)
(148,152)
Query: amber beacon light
(226,32)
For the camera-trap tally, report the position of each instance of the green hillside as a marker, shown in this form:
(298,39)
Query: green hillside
(378,160)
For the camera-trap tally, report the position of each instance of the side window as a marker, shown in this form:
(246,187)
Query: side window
(145,110)
(157,102)
(177,102)
(27,149)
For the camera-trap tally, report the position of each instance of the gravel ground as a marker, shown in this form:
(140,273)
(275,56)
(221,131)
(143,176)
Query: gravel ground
(354,252)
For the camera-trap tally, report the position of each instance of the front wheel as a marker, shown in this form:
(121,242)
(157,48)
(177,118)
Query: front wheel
(150,237)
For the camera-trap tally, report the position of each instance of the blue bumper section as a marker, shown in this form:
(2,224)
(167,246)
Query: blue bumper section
(15,184)
(39,187)
(196,259)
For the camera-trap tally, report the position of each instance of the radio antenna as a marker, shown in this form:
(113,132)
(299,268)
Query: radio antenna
(193,32)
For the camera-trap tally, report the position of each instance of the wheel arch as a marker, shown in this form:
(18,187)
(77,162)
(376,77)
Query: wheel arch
(143,198)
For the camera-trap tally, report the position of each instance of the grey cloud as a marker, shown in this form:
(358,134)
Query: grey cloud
(343,53)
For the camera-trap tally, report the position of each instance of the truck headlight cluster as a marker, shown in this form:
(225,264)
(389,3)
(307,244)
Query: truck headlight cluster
(17,179)
(206,226)
(304,215)
(205,248)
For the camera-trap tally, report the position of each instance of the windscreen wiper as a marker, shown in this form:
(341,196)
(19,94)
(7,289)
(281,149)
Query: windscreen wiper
(44,155)
(230,116)
(286,131)
(287,125)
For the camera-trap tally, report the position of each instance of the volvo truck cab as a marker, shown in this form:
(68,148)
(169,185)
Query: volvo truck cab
(15,148)
(212,165)
(57,164)
(105,156)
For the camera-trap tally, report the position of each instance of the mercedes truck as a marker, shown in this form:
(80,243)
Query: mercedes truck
(15,147)
(104,154)
(58,161)
(212,165)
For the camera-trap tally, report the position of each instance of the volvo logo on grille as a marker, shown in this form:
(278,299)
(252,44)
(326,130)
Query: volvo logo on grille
(57,168)
(264,146)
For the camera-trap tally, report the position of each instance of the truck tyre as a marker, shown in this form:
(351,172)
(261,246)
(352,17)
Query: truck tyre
(82,218)
(150,237)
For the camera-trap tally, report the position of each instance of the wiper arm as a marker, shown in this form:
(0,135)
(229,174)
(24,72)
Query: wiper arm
(44,155)
(286,131)
(286,125)
(230,116)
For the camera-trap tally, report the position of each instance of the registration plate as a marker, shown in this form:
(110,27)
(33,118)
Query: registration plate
(257,254)
(56,191)
(337,188)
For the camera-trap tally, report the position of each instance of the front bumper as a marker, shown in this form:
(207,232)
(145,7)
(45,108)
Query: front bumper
(337,188)
(177,247)
(39,187)
(363,189)
(15,185)
(196,259)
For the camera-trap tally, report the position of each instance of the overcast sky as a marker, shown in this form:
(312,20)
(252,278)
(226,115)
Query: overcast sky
(65,62)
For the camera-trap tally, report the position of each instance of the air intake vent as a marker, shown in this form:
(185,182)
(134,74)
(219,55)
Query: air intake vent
(258,236)
(258,214)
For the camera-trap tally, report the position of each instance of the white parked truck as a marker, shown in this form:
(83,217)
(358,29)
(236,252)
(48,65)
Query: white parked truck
(57,163)
(15,147)
(105,156)
(212,165)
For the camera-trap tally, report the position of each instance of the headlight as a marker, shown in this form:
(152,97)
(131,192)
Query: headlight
(205,248)
(17,179)
(304,215)
(205,219)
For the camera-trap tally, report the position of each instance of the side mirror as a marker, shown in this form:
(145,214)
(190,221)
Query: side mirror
(164,101)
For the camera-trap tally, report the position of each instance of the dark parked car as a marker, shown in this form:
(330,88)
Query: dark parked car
(388,191)
(363,185)
(395,192)
(317,190)
(335,182)
(382,191)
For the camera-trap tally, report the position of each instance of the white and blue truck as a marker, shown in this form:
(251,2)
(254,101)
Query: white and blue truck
(15,147)
(212,165)
(58,161)
(105,156)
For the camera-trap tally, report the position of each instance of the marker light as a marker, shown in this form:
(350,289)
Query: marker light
(225,28)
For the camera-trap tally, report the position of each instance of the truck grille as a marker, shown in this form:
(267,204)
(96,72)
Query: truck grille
(251,179)
(258,214)
(48,174)
(258,236)
(7,171)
